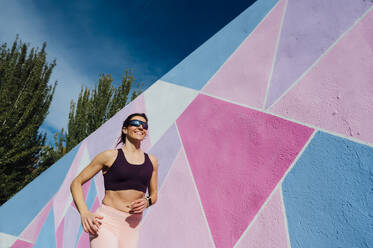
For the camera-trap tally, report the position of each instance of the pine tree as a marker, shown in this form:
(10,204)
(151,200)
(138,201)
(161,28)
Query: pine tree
(120,96)
(25,97)
(77,128)
(99,103)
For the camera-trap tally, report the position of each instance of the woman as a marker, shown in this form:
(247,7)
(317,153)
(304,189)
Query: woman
(128,172)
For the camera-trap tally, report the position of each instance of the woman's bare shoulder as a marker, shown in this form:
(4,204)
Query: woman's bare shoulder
(109,152)
(153,159)
(108,156)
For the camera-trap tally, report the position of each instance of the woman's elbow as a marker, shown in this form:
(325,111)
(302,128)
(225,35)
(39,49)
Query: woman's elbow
(73,184)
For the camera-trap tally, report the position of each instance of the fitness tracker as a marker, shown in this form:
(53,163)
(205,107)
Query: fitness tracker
(149,199)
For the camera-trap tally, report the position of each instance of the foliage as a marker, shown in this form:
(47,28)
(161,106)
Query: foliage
(25,97)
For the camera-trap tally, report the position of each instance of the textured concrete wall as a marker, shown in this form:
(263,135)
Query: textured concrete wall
(264,137)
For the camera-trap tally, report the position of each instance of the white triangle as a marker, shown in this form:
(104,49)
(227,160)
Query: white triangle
(164,103)
(84,161)
(7,240)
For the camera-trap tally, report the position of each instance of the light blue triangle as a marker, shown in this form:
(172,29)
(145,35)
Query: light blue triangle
(196,69)
(14,215)
(47,234)
(92,193)
(79,234)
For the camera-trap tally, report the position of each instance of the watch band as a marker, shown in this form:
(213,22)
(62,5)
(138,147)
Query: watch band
(149,199)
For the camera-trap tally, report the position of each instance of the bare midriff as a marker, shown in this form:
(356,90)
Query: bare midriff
(121,199)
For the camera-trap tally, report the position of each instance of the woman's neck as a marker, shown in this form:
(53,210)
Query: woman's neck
(131,146)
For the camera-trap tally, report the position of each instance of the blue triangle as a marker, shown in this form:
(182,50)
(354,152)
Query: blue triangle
(196,69)
(328,194)
(92,193)
(47,235)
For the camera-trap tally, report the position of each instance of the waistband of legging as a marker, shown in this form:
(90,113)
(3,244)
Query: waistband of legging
(114,211)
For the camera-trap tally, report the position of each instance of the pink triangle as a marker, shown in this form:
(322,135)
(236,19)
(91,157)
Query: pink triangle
(62,196)
(176,220)
(22,244)
(244,77)
(83,241)
(269,229)
(337,93)
(237,156)
(32,230)
(59,234)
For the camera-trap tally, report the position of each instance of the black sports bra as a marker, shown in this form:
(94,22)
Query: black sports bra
(123,175)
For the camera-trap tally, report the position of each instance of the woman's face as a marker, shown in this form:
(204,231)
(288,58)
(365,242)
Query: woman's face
(136,133)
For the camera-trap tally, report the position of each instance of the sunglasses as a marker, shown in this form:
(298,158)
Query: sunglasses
(137,123)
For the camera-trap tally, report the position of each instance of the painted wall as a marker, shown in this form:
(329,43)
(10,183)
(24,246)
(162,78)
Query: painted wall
(264,137)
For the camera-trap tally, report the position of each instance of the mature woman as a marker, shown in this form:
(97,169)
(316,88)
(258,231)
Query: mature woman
(128,172)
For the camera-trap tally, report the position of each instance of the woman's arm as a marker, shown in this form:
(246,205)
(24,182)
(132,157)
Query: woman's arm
(153,186)
(97,164)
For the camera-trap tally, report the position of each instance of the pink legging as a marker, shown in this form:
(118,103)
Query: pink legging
(118,229)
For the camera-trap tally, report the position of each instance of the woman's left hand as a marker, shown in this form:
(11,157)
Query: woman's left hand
(138,206)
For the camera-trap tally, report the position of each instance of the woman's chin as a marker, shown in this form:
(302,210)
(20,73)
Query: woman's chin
(137,139)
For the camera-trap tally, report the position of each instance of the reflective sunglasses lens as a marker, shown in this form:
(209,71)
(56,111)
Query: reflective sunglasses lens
(137,123)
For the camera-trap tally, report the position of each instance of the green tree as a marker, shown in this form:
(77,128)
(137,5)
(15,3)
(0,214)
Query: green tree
(25,97)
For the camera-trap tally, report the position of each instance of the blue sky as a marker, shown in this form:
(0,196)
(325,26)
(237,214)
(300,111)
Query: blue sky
(88,38)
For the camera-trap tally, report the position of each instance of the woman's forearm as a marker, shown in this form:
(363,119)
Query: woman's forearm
(154,197)
(78,197)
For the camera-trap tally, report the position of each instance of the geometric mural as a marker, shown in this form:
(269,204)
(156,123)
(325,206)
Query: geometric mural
(231,193)
(264,138)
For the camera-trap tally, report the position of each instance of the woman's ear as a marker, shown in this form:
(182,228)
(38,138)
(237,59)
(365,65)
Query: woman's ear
(124,130)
